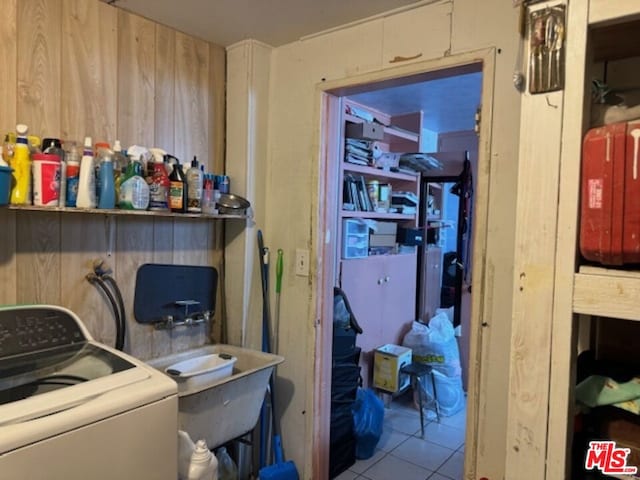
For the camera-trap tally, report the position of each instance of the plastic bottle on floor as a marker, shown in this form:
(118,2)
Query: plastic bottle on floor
(203,465)
(227,469)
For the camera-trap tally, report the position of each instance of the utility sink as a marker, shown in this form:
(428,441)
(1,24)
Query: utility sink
(220,409)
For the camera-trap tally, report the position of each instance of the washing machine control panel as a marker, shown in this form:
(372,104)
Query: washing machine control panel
(26,330)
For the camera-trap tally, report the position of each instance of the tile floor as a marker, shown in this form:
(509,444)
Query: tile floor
(402,454)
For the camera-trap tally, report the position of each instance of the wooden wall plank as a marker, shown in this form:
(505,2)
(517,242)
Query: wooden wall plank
(39,66)
(136,80)
(8,94)
(8,54)
(38,258)
(83,240)
(162,253)
(190,241)
(135,248)
(7,257)
(217,111)
(165,88)
(191,108)
(89,83)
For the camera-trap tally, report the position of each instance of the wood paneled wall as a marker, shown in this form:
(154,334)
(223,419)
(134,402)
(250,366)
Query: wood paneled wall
(76,67)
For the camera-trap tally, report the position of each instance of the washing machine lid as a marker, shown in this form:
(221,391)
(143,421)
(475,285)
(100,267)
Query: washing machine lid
(55,378)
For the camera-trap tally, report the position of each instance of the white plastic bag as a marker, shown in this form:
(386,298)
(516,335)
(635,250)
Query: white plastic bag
(435,345)
(449,391)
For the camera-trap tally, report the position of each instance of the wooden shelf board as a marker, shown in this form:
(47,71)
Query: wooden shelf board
(607,293)
(377,215)
(379,173)
(612,11)
(122,212)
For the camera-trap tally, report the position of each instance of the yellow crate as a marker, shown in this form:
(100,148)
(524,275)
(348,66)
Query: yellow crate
(387,362)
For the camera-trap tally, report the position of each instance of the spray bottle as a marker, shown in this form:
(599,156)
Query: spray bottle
(21,164)
(159,185)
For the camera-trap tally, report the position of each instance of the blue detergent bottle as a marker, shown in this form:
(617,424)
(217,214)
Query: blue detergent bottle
(107,184)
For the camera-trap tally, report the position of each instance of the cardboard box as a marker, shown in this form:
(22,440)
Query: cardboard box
(365,130)
(376,240)
(387,362)
(386,228)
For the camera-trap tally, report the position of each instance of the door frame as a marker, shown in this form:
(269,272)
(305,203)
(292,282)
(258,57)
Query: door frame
(325,243)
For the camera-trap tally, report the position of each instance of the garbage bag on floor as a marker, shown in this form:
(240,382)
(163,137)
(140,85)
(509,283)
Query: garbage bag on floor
(435,344)
(368,416)
(449,391)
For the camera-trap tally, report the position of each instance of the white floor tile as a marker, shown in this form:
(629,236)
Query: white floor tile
(453,468)
(402,421)
(423,453)
(391,467)
(347,475)
(444,435)
(361,465)
(437,476)
(459,420)
(390,439)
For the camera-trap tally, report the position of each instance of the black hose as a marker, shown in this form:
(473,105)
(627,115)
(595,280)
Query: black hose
(123,315)
(96,280)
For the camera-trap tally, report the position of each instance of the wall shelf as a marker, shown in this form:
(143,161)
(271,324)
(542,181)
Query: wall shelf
(607,293)
(377,215)
(388,129)
(379,173)
(119,212)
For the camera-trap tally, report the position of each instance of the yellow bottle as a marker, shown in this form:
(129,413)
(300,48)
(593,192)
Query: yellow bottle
(21,164)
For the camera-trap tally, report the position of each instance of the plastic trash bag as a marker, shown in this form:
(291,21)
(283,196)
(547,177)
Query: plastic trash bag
(368,416)
(435,344)
(451,397)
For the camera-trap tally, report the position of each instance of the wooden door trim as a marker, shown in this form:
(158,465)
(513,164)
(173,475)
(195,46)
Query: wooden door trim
(327,99)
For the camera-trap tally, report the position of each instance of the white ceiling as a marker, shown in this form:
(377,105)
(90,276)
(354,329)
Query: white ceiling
(274,22)
(448,102)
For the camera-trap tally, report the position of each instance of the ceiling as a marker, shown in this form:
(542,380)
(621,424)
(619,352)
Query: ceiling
(448,103)
(274,22)
(448,100)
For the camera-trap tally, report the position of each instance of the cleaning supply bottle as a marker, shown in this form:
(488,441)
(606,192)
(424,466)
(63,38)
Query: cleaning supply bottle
(87,183)
(227,469)
(97,148)
(21,164)
(203,465)
(119,164)
(177,188)
(106,177)
(53,145)
(159,186)
(73,174)
(185,450)
(194,188)
(134,191)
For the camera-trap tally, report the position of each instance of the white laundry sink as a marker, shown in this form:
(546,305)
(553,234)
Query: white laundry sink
(214,408)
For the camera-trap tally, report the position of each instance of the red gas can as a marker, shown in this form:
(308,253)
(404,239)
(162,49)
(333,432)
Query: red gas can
(610,204)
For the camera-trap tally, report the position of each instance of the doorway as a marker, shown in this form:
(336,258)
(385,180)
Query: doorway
(333,96)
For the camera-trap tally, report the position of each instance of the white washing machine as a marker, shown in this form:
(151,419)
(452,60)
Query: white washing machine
(73,409)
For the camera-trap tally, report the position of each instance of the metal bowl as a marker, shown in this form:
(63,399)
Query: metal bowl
(230,204)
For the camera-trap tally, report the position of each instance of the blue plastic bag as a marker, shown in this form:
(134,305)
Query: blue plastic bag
(368,416)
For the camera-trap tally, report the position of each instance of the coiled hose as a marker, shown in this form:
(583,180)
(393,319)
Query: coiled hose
(101,278)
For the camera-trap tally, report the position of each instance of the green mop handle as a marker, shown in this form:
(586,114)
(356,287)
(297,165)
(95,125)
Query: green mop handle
(279,271)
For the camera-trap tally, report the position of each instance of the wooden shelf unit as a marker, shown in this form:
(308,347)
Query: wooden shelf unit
(598,31)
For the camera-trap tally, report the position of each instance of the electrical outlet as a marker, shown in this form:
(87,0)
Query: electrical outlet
(302,262)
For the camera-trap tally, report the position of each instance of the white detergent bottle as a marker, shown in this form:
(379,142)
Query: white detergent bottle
(87,183)
(204,465)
